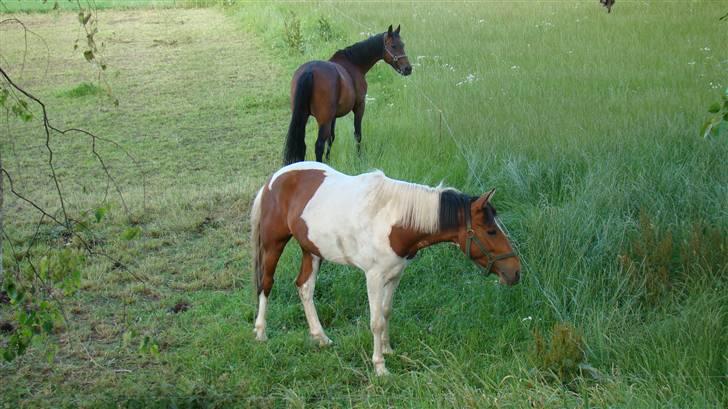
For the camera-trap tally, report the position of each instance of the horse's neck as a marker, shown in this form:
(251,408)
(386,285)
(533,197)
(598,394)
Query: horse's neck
(407,242)
(355,70)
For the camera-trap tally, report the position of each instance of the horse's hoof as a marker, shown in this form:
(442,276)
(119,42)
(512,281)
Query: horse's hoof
(381,370)
(387,349)
(323,340)
(261,337)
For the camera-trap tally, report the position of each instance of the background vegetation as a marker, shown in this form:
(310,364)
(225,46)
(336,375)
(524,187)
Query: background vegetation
(587,123)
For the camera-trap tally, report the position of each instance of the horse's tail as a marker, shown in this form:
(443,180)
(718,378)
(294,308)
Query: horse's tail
(256,243)
(295,150)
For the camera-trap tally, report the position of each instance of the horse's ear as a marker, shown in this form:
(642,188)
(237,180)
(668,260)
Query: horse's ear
(397,30)
(389,31)
(484,199)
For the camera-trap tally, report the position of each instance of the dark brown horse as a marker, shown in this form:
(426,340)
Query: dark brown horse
(331,89)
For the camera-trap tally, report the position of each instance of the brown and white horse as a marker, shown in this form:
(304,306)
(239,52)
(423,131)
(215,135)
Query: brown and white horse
(372,222)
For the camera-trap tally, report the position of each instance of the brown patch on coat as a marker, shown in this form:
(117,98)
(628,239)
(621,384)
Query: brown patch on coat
(282,206)
(407,242)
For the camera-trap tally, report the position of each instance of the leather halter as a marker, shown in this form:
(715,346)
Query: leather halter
(470,237)
(394,57)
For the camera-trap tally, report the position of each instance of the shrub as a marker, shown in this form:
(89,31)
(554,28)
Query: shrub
(292,32)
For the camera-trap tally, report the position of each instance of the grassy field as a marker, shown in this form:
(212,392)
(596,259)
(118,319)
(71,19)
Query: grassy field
(586,123)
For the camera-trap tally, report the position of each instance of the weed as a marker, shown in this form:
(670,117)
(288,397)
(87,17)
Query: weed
(83,89)
(325,31)
(292,33)
(562,355)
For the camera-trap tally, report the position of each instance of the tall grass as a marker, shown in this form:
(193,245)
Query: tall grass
(586,123)
(583,121)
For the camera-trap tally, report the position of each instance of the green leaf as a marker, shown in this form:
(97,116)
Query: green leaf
(8,354)
(51,352)
(127,338)
(131,233)
(89,55)
(43,267)
(100,213)
(48,326)
(705,129)
(714,108)
(4,93)
(10,289)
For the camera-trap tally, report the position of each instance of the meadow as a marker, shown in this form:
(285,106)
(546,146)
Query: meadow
(587,123)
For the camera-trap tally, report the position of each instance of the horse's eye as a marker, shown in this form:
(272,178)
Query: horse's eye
(492,232)
(394,46)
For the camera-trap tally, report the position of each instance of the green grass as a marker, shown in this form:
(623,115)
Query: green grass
(82,90)
(47,6)
(586,123)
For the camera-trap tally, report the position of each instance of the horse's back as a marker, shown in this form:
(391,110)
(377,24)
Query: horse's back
(331,214)
(333,86)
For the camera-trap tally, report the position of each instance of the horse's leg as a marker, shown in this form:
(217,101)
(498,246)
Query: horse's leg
(358,115)
(375,292)
(323,136)
(389,289)
(331,139)
(306,283)
(271,254)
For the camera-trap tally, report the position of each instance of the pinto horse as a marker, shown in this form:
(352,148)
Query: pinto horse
(331,89)
(372,222)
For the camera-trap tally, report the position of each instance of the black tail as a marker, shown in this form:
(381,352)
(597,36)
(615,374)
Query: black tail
(295,150)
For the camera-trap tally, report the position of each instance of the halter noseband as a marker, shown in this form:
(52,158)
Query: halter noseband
(470,237)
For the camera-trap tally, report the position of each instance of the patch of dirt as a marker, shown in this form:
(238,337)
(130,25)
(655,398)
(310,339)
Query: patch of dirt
(181,306)
(7,328)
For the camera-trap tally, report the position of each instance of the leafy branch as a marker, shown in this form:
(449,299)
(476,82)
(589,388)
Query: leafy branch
(31,290)
(717,123)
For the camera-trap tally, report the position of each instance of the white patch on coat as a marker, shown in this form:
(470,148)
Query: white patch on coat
(349,218)
(299,166)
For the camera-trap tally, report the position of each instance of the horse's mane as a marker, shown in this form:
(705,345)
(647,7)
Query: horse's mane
(365,51)
(423,208)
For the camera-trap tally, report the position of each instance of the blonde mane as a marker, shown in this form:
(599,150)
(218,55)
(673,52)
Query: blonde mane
(417,206)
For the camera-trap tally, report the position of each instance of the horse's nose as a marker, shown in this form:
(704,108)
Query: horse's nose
(407,70)
(516,277)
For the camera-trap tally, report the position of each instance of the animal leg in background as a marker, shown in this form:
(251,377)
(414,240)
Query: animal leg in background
(331,140)
(358,115)
(324,134)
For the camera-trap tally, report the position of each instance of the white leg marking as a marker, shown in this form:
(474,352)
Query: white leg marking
(306,293)
(260,321)
(389,289)
(375,291)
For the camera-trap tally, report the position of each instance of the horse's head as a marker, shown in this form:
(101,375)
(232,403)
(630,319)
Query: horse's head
(394,54)
(485,243)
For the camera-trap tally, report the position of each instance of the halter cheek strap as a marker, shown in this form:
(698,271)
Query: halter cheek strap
(395,58)
(471,238)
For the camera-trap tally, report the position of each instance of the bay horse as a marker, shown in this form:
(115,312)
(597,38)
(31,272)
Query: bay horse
(371,222)
(331,89)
